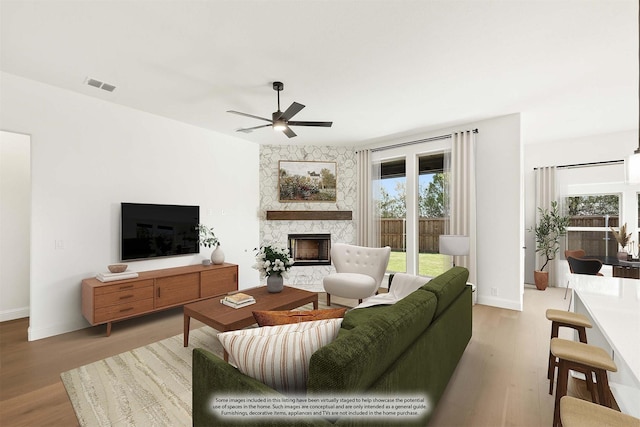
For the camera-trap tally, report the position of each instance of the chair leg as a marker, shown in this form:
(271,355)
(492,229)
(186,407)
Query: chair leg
(602,383)
(328,300)
(566,289)
(588,376)
(561,390)
(552,359)
(551,372)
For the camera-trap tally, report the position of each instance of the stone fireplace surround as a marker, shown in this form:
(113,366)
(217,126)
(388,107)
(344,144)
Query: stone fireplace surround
(277,231)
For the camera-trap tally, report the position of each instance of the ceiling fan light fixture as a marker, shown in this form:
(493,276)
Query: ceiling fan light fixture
(279,125)
(281,121)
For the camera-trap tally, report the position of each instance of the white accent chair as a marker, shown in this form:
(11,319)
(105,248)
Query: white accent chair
(359,271)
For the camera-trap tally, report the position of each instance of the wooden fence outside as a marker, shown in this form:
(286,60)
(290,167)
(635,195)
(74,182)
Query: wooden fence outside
(394,233)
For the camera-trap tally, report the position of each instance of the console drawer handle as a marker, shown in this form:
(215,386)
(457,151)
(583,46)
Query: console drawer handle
(126,309)
(126,296)
(126,287)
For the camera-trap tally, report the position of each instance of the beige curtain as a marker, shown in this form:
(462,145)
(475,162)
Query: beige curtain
(368,227)
(462,196)
(545,194)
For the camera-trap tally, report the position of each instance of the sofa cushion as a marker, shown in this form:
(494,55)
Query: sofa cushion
(375,337)
(278,356)
(413,303)
(447,286)
(273,318)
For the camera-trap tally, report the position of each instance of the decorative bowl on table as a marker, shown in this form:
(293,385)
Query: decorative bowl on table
(117,268)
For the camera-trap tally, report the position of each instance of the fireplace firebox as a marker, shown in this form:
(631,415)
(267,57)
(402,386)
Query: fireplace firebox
(310,249)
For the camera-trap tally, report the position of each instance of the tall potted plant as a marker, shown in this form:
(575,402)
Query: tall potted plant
(551,226)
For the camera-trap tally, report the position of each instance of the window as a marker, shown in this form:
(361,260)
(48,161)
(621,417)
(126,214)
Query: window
(591,219)
(431,213)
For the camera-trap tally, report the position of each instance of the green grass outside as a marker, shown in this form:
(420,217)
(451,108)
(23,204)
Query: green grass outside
(429,264)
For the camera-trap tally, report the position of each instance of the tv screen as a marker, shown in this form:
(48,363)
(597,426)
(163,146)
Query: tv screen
(151,231)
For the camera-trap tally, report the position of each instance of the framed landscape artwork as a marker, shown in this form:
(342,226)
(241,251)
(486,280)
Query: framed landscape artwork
(301,181)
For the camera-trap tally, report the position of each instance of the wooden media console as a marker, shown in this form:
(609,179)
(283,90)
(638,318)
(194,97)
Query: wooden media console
(152,291)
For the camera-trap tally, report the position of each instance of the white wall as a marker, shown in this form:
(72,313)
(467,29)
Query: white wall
(588,149)
(87,156)
(500,212)
(15,216)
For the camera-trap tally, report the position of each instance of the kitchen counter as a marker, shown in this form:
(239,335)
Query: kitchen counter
(613,305)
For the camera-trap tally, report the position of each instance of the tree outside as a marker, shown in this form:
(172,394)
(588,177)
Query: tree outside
(602,204)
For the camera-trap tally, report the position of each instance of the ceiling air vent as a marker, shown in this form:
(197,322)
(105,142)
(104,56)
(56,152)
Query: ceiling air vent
(100,85)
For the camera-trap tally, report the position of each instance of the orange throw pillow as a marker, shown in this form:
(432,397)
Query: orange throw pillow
(274,318)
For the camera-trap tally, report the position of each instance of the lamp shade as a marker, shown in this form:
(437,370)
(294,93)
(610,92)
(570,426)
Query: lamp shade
(454,245)
(632,168)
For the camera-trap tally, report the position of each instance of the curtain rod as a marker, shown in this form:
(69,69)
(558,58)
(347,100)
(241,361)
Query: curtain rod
(584,165)
(419,141)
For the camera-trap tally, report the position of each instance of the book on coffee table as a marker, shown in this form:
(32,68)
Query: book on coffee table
(238,300)
(239,297)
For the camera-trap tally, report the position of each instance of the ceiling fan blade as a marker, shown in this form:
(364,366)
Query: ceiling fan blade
(249,130)
(287,131)
(292,111)
(320,124)
(249,115)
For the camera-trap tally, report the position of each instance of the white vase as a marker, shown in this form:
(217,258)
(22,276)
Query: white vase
(217,256)
(275,283)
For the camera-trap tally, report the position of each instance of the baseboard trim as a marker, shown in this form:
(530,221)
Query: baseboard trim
(499,302)
(40,333)
(14,313)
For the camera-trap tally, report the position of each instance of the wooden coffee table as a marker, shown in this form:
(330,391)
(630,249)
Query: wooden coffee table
(222,318)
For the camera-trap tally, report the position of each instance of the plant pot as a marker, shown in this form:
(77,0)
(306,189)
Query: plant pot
(623,256)
(542,279)
(275,283)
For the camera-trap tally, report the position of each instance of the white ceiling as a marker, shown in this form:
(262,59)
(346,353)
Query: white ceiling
(377,69)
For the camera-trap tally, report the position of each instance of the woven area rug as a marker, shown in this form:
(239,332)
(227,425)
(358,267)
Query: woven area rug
(147,386)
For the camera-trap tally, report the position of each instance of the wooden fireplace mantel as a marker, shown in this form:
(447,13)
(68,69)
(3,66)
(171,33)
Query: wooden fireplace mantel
(309,215)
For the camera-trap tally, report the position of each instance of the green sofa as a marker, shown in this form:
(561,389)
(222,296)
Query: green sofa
(406,349)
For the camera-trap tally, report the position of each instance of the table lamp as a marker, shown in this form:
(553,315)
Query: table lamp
(454,245)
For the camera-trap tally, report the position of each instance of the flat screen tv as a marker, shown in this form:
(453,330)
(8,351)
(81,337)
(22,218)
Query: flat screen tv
(152,231)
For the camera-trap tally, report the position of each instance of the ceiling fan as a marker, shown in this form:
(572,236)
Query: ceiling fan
(279,120)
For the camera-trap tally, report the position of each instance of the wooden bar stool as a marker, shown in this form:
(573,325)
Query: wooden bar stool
(585,358)
(580,413)
(565,319)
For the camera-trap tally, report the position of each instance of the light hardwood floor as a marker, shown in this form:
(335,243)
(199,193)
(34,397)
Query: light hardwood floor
(500,381)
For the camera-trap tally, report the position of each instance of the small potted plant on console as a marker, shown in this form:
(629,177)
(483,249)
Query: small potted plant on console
(208,239)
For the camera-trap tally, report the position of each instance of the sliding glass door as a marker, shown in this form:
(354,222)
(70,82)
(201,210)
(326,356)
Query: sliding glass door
(412,201)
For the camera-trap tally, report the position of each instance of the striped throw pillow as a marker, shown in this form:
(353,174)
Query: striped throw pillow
(278,356)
